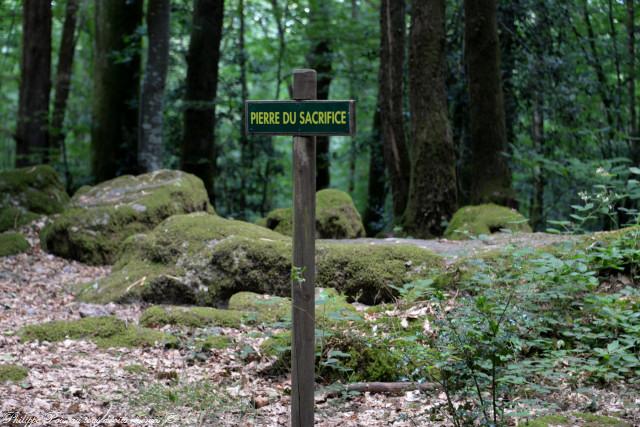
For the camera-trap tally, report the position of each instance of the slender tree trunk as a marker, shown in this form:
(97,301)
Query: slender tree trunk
(114,145)
(319,59)
(353,146)
(489,170)
(32,131)
(396,155)
(593,58)
(507,11)
(63,84)
(198,145)
(631,83)
(150,149)
(373,217)
(246,157)
(616,61)
(536,214)
(433,189)
(280,17)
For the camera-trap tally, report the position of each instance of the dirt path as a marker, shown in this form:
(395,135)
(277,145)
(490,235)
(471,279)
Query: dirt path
(453,249)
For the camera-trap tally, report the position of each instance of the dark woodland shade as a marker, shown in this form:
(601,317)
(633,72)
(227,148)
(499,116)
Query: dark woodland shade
(491,175)
(32,132)
(114,147)
(198,145)
(392,44)
(432,193)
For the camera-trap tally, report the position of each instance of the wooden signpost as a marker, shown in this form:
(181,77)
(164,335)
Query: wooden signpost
(304,118)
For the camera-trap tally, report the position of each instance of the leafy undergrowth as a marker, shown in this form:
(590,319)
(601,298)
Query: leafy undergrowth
(545,337)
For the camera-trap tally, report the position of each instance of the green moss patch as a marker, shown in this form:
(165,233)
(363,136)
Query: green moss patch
(336,217)
(27,193)
(12,243)
(105,332)
(484,219)
(369,273)
(100,218)
(194,317)
(135,369)
(11,372)
(266,308)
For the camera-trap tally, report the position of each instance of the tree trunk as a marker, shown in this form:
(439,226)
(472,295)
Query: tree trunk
(433,189)
(353,146)
(319,59)
(536,213)
(32,131)
(631,83)
(508,45)
(150,149)
(392,35)
(114,147)
(63,83)
(489,170)
(373,217)
(198,145)
(246,149)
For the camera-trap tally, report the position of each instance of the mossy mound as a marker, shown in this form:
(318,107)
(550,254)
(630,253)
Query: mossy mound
(194,317)
(196,259)
(484,219)
(11,372)
(369,273)
(12,243)
(105,332)
(100,218)
(200,259)
(27,193)
(336,217)
(577,419)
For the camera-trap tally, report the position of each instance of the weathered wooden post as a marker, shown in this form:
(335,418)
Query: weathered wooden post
(304,265)
(304,117)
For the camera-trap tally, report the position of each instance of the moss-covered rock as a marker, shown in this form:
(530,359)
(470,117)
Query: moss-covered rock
(11,372)
(336,217)
(577,419)
(369,273)
(484,219)
(104,331)
(194,317)
(267,308)
(27,193)
(100,218)
(12,243)
(201,259)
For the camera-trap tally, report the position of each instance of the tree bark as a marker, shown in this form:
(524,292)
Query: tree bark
(373,217)
(489,171)
(392,35)
(150,148)
(536,212)
(353,146)
(32,131)
(631,83)
(319,59)
(507,12)
(433,189)
(114,142)
(63,84)
(198,144)
(246,154)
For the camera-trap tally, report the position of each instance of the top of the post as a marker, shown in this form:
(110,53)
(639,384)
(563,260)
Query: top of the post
(304,84)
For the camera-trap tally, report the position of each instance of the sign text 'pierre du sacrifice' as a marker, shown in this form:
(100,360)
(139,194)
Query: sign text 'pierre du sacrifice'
(300,117)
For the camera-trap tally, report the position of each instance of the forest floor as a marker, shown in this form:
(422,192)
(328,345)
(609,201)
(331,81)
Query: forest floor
(78,383)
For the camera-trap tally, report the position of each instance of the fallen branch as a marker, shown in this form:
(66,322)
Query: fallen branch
(378,387)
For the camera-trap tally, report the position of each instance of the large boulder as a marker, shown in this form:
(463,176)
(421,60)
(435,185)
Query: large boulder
(471,221)
(204,259)
(336,217)
(27,193)
(100,218)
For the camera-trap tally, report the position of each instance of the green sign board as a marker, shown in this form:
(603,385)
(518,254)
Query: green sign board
(300,117)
